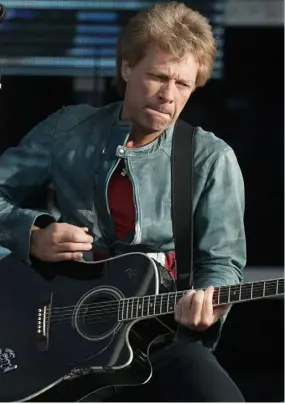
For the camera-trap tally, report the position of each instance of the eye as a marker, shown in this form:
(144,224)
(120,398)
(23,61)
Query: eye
(157,77)
(184,85)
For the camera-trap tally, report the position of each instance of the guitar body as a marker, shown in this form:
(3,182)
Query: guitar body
(61,327)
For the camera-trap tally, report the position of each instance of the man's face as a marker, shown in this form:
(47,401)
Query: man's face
(157,89)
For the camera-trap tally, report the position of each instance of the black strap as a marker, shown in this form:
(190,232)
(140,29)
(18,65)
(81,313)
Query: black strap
(182,201)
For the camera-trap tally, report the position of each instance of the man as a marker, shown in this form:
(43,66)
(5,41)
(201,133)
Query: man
(110,168)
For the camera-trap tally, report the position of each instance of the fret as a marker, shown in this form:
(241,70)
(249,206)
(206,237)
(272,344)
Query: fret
(136,314)
(123,310)
(157,304)
(120,313)
(246,290)
(140,307)
(154,304)
(132,308)
(280,286)
(135,307)
(257,290)
(175,298)
(263,293)
(216,296)
(270,288)
(128,310)
(164,303)
(151,308)
(224,294)
(145,307)
(172,303)
(234,295)
(167,304)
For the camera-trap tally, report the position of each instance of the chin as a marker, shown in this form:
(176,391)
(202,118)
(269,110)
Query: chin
(154,125)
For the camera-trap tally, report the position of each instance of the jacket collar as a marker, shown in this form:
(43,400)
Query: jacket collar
(163,142)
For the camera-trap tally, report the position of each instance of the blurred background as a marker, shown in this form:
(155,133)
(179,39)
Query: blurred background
(61,52)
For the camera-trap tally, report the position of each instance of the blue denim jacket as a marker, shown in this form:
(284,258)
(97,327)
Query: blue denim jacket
(78,148)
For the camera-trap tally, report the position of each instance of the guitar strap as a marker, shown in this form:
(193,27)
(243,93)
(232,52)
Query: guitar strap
(182,201)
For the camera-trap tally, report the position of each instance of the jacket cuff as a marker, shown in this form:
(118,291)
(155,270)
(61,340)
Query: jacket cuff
(30,218)
(209,337)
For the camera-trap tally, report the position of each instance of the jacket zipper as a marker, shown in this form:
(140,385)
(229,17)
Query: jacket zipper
(106,193)
(127,171)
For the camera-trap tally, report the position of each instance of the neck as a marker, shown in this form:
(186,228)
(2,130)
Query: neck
(138,139)
(155,305)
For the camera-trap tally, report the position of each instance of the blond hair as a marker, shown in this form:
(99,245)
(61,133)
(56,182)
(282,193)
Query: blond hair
(173,27)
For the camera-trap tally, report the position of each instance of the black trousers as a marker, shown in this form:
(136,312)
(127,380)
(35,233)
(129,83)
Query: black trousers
(185,372)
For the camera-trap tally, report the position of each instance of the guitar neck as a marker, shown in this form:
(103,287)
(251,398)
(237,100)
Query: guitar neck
(164,303)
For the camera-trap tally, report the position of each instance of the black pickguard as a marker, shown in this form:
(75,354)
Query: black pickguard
(74,344)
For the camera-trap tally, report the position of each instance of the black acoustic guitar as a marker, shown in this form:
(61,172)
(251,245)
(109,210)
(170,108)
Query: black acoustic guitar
(80,325)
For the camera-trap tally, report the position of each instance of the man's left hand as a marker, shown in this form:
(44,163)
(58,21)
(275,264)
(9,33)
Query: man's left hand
(195,310)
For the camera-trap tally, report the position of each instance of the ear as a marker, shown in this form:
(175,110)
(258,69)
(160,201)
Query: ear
(126,70)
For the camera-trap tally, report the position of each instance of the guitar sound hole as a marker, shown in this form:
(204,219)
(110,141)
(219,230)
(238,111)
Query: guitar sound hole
(96,315)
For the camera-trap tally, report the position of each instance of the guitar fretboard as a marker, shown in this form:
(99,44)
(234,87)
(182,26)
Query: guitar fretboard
(155,305)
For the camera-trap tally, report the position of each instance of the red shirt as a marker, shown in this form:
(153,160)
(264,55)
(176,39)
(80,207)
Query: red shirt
(122,209)
(121,204)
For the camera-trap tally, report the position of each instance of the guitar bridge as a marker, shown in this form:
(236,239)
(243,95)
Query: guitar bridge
(43,324)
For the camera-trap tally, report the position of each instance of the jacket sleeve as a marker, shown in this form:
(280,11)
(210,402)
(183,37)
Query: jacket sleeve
(219,236)
(23,170)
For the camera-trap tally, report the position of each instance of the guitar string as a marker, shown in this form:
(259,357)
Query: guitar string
(220,293)
(155,299)
(133,305)
(97,307)
(91,319)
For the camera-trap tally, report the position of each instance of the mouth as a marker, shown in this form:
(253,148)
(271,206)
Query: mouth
(158,111)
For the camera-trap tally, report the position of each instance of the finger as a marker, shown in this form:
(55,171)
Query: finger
(219,311)
(194,317)
(70,247)
(62,232)
(62,256)
(184,306)
(75,236)
(178,312)
(67,256)
(207,310)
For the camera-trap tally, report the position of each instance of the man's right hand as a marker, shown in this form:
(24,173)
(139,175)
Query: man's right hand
(59,242)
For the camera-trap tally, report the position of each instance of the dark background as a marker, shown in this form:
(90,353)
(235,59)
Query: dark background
(244,105)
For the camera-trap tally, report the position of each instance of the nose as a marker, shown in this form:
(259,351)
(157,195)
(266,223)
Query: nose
(166,93)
